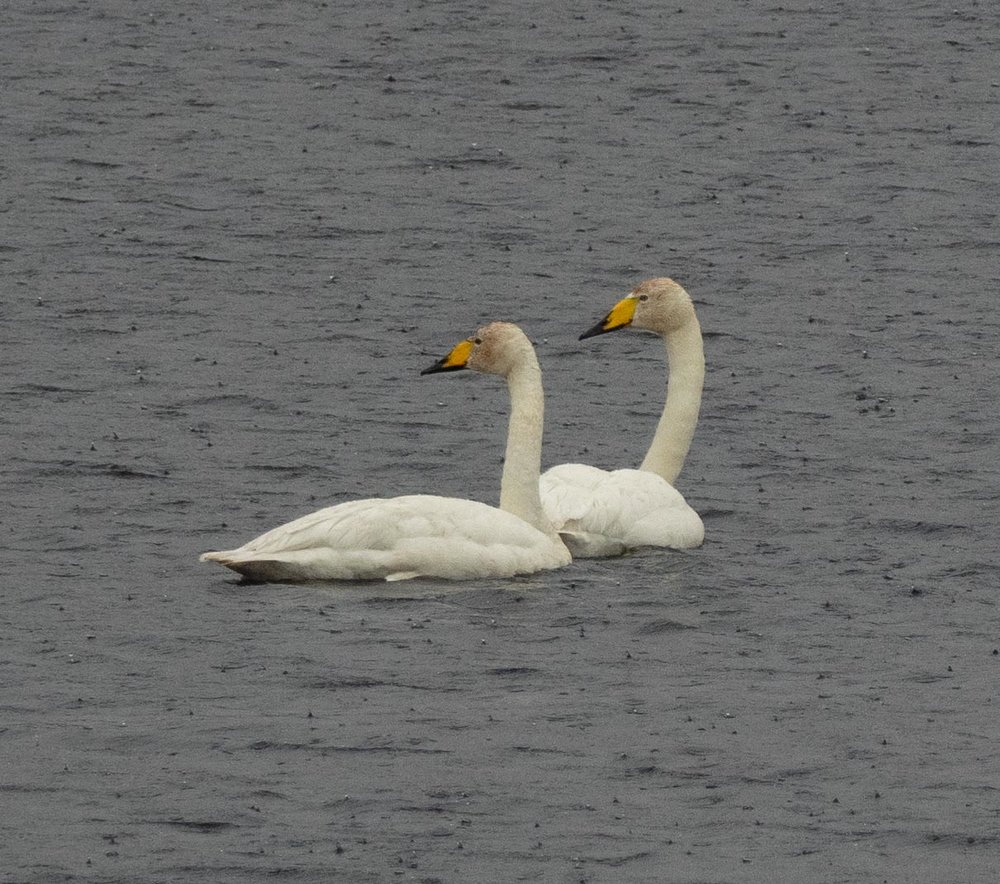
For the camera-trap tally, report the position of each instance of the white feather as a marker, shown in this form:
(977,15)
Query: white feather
(394,539)
(604,513)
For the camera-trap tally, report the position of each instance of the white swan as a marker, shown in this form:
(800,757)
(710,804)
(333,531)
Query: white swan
(602,513)
(423,535)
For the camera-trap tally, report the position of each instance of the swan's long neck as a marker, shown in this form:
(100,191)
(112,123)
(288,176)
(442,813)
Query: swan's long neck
(685,378)
(522,466)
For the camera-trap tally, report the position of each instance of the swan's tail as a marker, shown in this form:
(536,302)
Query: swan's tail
(302,565)
(587,545)
(257,570)
(223,557)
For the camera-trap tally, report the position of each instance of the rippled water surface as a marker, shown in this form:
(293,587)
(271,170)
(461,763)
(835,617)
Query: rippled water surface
(231,239)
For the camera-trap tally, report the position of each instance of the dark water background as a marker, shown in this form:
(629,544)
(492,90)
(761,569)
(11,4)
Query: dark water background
(231,237)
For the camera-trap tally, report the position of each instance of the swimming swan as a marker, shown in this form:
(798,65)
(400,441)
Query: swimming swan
(424,535)
(602,513)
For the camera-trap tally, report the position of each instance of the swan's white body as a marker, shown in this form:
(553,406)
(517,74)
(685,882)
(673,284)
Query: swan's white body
(600,512)
(606,512)
(396,538)
(424,535)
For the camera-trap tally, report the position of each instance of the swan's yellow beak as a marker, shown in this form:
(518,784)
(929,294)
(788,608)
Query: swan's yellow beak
(455,359)
(620,316)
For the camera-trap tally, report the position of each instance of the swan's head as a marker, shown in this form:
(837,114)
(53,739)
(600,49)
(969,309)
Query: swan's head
(497,348)
(660,305)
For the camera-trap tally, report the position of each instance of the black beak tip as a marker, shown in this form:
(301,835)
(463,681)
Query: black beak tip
(439,366)
(594,331)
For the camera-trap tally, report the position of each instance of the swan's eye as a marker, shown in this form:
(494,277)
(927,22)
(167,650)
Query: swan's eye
(643,297)
(477,340)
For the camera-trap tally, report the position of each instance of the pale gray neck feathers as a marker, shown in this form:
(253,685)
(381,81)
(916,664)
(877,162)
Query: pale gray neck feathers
(522,466)
(685,378)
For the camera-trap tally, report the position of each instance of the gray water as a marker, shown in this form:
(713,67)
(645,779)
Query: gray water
(232,237)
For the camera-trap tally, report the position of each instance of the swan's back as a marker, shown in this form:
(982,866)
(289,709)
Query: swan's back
(391,539)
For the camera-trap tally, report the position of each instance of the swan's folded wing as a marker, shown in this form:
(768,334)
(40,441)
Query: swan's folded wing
(377,523)
(370,523)
(568,492)
(597,509)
